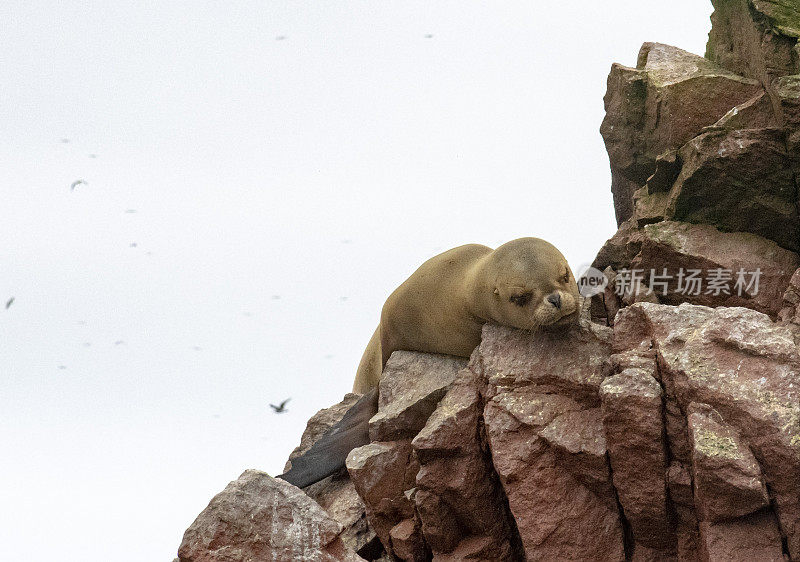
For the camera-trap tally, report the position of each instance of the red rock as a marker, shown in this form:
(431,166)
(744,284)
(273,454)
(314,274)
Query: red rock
(755,38)
(667,168)
(410,388)
(642,357)
(407,541)
(578,439)
(756,113)
(382,473)
(471,548)
(687,247)
(452,429)
(679,482)
(741,364)
(756,537)
(790,312)
(534,379)
(659,106)
(558,517)
(258,517)
(456,470)
(632,417)
(336,494)
(727,478)
(570,363)
(439,524)
(787,91)
(738,181)
(649,207)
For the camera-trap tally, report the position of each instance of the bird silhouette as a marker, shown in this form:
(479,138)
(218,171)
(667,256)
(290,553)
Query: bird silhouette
(9,302)
(76,183)
(280,409)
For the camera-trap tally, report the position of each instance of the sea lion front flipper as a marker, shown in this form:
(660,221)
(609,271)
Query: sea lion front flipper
(328,454)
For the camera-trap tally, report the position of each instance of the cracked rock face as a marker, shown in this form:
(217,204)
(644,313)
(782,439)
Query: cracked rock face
(718,135)
(732,375)
(257,517)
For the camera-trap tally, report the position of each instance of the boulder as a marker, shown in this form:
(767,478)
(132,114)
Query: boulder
(382,474)
(738,181)
(410,388)
(659,106)
(257,517)
(695,263)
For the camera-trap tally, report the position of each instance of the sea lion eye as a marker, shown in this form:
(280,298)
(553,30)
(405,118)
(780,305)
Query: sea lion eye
(521,300)
(565,279)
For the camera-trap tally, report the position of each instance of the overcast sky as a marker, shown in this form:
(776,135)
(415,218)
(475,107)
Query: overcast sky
(259,176)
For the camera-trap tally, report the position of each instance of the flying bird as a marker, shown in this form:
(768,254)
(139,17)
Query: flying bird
(280,38)
(9,302)
(280,409)
(429,36)
(76,183)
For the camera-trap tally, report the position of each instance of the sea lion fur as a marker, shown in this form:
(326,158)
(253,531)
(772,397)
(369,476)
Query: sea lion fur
(443,305)
(441,308)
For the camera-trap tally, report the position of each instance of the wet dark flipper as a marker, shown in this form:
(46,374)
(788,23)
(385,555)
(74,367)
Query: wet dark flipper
(328,454)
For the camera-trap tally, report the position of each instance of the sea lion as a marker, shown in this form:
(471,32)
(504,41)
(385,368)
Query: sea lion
(441,308)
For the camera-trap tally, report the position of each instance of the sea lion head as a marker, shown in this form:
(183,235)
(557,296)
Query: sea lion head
(532,285)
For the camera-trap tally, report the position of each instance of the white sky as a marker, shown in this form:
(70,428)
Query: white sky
(282,189)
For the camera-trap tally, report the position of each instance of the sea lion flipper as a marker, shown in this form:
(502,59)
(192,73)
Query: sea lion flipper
(328,454)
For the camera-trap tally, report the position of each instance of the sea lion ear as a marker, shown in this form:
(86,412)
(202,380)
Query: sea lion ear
(496,291)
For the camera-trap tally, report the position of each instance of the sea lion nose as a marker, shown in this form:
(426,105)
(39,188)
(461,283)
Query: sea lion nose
(555,300)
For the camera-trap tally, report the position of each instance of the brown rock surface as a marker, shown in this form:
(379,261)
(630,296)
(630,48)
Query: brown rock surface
(738,181)
(411,386)
(755,38)
(741,364)
(578,440)
(336,494)
(632,418)
(790,311)
(533,380)
(456,470)
(382,473)
(754,538)
(407,541)
(674,246)
(258,517)
(727,478)
(657,107)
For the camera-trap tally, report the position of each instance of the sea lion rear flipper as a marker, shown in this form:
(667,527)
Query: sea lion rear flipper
(328,454)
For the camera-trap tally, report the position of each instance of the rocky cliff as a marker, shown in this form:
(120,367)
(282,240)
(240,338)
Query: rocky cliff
(666,426)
